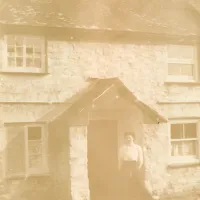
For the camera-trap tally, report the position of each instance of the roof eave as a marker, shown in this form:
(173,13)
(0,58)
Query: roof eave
(152,114)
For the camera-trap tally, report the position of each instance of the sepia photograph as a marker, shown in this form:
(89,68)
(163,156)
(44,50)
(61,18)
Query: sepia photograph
(99,99)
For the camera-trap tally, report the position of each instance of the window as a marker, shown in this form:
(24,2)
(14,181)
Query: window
(36,154)
(24,54)
(184,140)
(181,63)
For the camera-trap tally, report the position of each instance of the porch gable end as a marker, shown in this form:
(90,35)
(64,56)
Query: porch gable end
(98,87)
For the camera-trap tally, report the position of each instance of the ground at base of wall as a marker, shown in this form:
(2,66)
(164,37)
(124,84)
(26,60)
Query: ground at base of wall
(28,189)
(185,197)
(182,198)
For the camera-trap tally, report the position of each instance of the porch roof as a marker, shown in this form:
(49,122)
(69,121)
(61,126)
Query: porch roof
(96,88)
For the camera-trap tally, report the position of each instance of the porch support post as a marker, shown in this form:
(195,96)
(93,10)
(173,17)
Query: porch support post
(78,163)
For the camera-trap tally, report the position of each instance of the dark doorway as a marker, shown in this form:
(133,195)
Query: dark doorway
(102,158)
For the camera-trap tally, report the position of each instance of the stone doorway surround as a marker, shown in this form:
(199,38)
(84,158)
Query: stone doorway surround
(127,121)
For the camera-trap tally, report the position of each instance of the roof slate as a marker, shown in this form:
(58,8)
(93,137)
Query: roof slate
(154,16)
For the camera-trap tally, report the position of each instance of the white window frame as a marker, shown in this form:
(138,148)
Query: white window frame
(6,68)
(184,159)
(181,78)
(44,169)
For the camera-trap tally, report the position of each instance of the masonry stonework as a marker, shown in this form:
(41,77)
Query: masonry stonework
(143,70)
(163,180)
(78,163)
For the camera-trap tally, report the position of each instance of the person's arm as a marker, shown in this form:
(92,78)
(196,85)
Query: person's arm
(140,157)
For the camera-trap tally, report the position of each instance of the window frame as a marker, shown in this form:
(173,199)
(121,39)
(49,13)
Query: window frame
(45,168)
(194,61)
(6,68)
(184,159)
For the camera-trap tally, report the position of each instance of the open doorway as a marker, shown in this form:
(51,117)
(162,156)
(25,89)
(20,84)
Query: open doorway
(102,158)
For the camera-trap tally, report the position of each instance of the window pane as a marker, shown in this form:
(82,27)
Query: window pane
(187,52)
(29,62)
(173,51)
(35,161)
(19,51)
(176,131)
(34,133)
(11,49)
(37,52)
(174,69)
(190,148)
(176,149)
(190,130)
(19,62)
(187,70)
(181,51)
(37,62)
(11,61)
(34,147)
(29,51)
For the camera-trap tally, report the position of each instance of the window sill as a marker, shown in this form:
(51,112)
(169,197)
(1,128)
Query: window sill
(183,163)
(15,177)
(37,175)
(25,73)
(26,176)
(182,82)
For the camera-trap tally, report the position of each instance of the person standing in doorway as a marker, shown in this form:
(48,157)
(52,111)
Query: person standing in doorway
(131,157)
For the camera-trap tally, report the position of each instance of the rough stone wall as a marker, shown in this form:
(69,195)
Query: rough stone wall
(156,157)
(161,179)
(181,110)
(31,188)
(22,112)
(78,163)
(142,68)
(182,93)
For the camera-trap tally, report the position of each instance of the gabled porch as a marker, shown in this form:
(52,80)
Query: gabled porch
(90,128)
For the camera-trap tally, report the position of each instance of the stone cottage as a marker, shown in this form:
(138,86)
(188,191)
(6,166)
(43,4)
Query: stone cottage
(75,75)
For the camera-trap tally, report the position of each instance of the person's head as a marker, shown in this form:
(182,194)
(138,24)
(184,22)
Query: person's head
(129,137)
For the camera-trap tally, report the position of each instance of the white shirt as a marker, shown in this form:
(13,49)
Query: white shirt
(132,152)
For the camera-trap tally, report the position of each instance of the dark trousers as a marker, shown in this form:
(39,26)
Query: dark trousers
(131,185)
